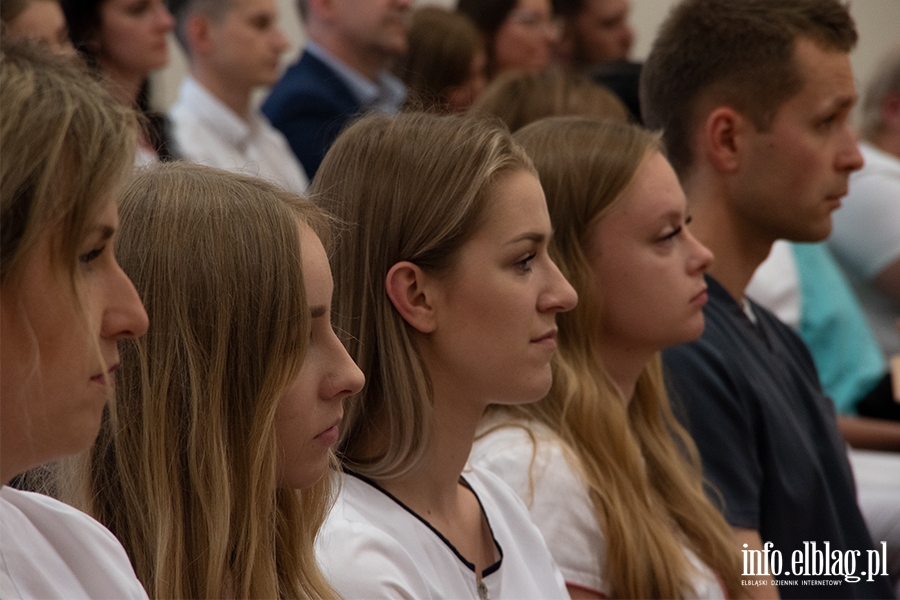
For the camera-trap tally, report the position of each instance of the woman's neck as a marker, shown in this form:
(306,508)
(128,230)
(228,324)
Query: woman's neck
(624,368)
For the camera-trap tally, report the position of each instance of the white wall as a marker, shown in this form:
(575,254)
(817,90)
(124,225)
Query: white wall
(876,20)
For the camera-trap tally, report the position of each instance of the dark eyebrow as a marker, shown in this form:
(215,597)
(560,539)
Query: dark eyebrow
(106,232)
(317,311)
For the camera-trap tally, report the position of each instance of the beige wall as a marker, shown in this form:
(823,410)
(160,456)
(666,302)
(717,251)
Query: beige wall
(876,20)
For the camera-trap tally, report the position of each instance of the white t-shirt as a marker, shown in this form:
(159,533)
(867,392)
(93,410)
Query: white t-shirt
(865,238)
(373,546)
(560,505)
(206,131)
(50,550)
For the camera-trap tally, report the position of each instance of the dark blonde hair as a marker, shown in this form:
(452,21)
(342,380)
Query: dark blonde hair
(184,472)
(518,98)
(641,467)
(67,148)
(415,187)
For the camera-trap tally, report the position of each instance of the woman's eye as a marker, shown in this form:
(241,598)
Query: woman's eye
(89,257)
(525,263)
(672,235)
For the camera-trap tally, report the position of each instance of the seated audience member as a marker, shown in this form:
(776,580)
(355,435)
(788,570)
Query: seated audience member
(447,299)
(233,48)
(341,73)
(64,304)
(866,236)
(518,34)
(40,20)
(518,99)
(594,32)
(612,480)
(212,471)
(445,66)
(124,41)
(596,38)
(753,98)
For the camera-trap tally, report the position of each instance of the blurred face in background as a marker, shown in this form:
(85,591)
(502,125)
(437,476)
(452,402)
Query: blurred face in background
(247,43)
(42,21)
(132,38)
(527,37)
(600,32)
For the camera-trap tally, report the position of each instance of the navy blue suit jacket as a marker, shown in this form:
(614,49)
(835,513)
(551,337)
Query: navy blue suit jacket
(310,105)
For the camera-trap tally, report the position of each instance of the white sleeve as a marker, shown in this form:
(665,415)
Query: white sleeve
(866,233)
(556,498)
(363,562)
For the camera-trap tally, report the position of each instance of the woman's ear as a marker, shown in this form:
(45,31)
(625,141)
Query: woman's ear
(405,285)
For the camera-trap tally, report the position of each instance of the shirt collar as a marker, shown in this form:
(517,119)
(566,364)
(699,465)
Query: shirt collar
(386,93)
(232,127)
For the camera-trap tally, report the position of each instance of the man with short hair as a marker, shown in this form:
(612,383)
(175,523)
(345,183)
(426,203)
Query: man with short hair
(594,31)
(341,73)
(753,98)
(233,47)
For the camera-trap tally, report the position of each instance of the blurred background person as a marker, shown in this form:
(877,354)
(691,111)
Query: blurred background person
(518,34)
(126,41)
(866,235)
(593,31)
(40,20)
(233,49)
(518,98)
(445,67)
(342,73)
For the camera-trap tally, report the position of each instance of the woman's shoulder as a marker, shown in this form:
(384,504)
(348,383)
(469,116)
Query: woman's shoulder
(51,549)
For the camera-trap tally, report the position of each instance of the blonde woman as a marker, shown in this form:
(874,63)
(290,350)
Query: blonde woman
(448,299)
(611,479)
(518,98)
(231,403)
(64,304)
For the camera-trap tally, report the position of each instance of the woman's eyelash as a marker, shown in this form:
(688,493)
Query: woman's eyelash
(524,263)
(672,235)
(92,255)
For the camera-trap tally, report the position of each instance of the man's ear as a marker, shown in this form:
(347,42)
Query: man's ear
(198,34)
(722,137)
(406,287)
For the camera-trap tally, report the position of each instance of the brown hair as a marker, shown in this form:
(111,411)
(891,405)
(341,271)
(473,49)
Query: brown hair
(442,45)
(736,53)
(518,99)
(67,147)
(641,467)
(416,187)
(185,471)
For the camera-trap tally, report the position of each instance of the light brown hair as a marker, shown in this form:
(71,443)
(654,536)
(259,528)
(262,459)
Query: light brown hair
(518,98)
(641,467)
(184,472)
(740,54)
(442,45)
(415,187)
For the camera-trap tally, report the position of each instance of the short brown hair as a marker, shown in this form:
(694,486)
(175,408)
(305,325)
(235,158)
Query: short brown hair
(734,53)
(518,98)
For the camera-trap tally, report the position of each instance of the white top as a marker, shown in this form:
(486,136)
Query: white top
(51,550)
(865,238)
(537,469)
(208,132)
(373,546)
(776,284)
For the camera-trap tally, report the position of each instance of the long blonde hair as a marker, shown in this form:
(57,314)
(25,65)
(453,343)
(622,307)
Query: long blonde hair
(641,467)
(185,471)
(415,188)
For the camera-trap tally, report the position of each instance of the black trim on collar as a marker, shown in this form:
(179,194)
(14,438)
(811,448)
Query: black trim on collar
(489,570)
